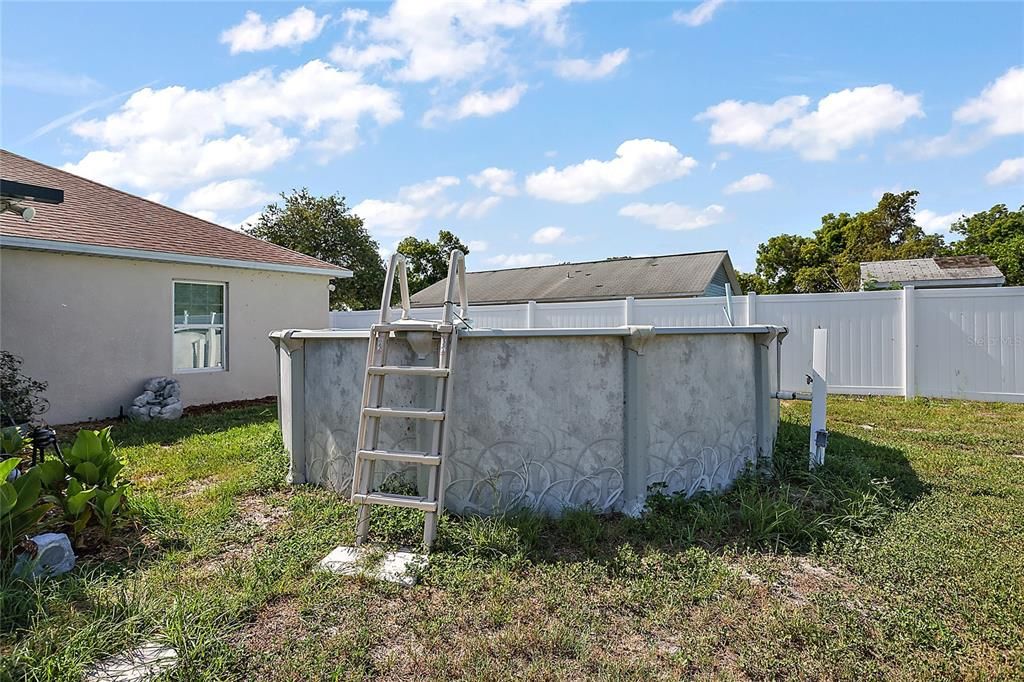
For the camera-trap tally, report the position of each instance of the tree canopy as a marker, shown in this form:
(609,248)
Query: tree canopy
(830,260)
(324,228)
(997,233)
(427,261)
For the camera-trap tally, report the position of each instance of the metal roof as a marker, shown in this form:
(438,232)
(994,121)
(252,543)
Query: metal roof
(101,220)
(680,275)
(930,270)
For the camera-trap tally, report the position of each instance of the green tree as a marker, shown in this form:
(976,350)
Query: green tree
(427,261)
(997,233)
(323,227)
(830,260)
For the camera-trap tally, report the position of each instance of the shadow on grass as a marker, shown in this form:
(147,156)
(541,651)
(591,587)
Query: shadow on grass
(790,509)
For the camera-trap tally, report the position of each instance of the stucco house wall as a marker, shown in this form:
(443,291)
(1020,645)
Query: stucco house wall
(95,328)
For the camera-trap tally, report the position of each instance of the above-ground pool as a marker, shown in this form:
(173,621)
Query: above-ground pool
(545,418)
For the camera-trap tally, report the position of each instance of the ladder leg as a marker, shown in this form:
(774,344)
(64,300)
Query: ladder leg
(430,518)
(375,388)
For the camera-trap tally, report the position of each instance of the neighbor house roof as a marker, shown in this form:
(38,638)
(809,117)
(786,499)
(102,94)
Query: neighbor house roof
(685,274)
(940,271)
(99,220)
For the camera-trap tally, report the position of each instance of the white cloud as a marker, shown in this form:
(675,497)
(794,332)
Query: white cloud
(999,107)
(755,182)
(581,69)
(841,120)
(673,216)
(553,235)
(390,218)
(878,192)
(351,58)
(176,136)
(638,164)
(521,260)
(478,103)
(229,195)
(248,221)
(496,180)
(475,209)
(451,41)
(353,15)
(430,189)
(1010,170)
(252,35)
(158,197)
(477,245)
(699,15)
(933,223)
(998,110)
(208,216)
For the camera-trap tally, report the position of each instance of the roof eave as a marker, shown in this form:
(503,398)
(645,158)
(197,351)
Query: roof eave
(936,283)
(14,242)
(572,299)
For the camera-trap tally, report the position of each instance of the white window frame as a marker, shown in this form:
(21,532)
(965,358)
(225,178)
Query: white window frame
(223,326)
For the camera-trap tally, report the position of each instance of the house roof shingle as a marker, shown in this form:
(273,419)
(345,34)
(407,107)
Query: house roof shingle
(95,215)
(680,275)
(943,268)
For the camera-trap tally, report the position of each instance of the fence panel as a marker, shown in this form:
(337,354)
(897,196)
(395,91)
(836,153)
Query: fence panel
(970,343)
(963,343)
(865,340)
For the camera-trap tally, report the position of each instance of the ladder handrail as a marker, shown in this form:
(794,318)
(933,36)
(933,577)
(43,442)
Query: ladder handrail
(396,265)
(456,277)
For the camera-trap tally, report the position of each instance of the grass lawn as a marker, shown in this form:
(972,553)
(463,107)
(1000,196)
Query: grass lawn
(902,558)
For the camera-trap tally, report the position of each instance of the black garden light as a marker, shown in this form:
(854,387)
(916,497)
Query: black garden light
(44,437)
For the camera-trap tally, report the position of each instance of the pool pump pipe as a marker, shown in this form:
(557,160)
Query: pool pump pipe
(819,391)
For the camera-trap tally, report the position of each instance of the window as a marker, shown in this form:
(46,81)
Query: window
(199,326)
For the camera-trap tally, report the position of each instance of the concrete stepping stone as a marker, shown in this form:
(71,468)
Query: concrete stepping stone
(136,665)
(397,567)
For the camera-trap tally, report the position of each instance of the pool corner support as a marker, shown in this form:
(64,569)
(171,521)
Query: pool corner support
(291,402)
(634,474)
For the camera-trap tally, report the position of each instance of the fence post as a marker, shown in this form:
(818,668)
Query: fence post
(909,343)
(751,307)
(627,311)
(531,314)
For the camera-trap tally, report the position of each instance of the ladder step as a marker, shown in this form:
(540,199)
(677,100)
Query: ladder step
(402,456)
(421,503)
(413,326)
(402,370)
(406,412)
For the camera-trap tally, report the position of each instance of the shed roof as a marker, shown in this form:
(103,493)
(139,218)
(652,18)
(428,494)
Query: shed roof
(679,275)
(940,269)
(102,220)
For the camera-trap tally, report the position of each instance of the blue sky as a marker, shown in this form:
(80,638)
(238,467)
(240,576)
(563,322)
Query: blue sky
(541,132)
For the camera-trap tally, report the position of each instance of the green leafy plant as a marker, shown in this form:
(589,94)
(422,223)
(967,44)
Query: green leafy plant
(86,484)
(20,510)
(11,440)
(20,395)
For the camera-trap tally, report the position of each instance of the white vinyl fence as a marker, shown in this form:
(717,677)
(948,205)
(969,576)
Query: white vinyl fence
(942,343)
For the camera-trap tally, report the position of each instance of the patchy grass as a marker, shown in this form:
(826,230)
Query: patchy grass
(903,558)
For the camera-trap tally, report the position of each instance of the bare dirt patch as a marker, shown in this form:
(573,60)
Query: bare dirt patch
(799,580)
(274,626)
(253,510)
